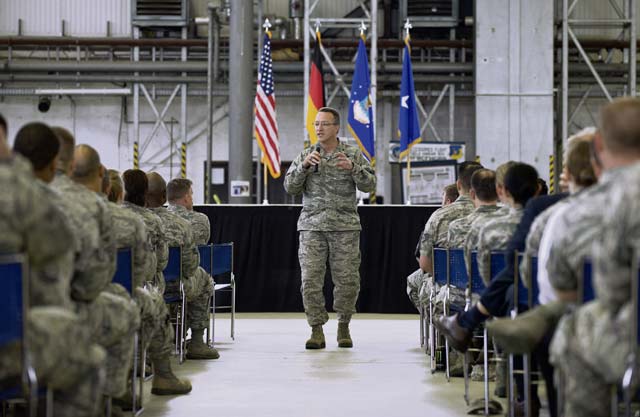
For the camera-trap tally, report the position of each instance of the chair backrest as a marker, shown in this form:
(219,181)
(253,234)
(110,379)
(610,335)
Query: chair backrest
(206,258)
(498,262)
(475,280)
(173,270)
(13,298)
(124,269)
(458,276)
(585,286)
(440,265)
(526,296)
(635,285)
(222,258)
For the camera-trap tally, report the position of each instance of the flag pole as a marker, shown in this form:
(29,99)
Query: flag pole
(266,184)
(407,38)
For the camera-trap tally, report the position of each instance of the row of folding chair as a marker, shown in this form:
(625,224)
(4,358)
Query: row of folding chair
(450,270)
(217,261)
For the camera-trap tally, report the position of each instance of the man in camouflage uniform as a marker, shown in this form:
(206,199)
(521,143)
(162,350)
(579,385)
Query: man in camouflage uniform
(113,320)
(61,351)
(591,346)
(197,283)
(420,285)
(180,196)
(156,330)
(329,225)
(161,342)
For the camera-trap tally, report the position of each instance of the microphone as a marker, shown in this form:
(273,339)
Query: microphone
(315,167)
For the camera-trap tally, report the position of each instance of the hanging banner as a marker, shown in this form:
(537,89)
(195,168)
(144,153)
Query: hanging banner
(430,151)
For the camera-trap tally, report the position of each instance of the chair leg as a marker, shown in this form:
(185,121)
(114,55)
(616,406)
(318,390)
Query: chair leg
(183,322)
(421,326)
(527,386)
(48,412)
(511,388)
(107,406)
(614,401)
(446,359)
(233,311)
(134,375)
(213,314)
(465,372)
(485,343)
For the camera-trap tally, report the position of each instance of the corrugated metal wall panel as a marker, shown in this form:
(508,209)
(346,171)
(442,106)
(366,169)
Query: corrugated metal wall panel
(89,18)
(82,17)
(38,17)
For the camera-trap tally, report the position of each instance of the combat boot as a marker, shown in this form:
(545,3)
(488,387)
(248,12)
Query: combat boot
(316,341)
(344,338)
(165,382)
(197,349)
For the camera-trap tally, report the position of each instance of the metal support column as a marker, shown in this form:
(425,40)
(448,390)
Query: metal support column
(183,113)
(241,81)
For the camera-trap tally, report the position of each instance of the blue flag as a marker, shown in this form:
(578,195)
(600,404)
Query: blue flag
(360,120)
(408,126)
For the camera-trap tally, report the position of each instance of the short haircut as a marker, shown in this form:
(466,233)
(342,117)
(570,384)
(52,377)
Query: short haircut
(67,145)
(483,183)
(451,192)
(543,189)
(37,142)
(502,170)
(465,171)
(620,125)
(87,163)
(3,124)
(521,181)
(136,185)
(578,161)
(334,112)
(116,185)
(178,188)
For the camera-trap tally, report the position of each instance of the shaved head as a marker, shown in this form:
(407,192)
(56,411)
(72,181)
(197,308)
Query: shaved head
(157,194)
(86,164)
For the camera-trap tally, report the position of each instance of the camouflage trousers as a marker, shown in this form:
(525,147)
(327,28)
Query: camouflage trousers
(198,289)
(112,321)
(156,331)
(64,360)
(589,350)
(414,283)
(342,250)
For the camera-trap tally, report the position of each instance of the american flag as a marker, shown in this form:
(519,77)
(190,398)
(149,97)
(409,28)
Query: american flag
(265,111)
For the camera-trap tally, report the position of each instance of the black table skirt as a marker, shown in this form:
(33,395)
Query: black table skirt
(266,255)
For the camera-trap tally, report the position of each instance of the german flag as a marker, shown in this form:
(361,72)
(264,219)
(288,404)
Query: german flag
(316,98)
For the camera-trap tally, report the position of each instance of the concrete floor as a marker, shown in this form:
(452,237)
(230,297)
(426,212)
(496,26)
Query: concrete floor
(267,372)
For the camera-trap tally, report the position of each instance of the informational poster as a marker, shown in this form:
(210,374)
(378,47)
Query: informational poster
(427,182)
(240,189)
(430,151)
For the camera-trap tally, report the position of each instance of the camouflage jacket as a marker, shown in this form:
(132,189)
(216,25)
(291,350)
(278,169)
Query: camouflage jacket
(329,195)
(95,252)
(619,243)
(437,227)
(495,236)
(578,226)
(159,255)
(200,226)
(178,233)
(131,232)
(29,220)
(458,229)
(473,237)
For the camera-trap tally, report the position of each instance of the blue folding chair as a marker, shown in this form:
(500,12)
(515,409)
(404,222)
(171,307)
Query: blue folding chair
(14,310)
(586,292)
(457,277)
(222,266)
(124,277)
(498,261)
(440,259)
(173,273)
(206,263)
(525,297)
